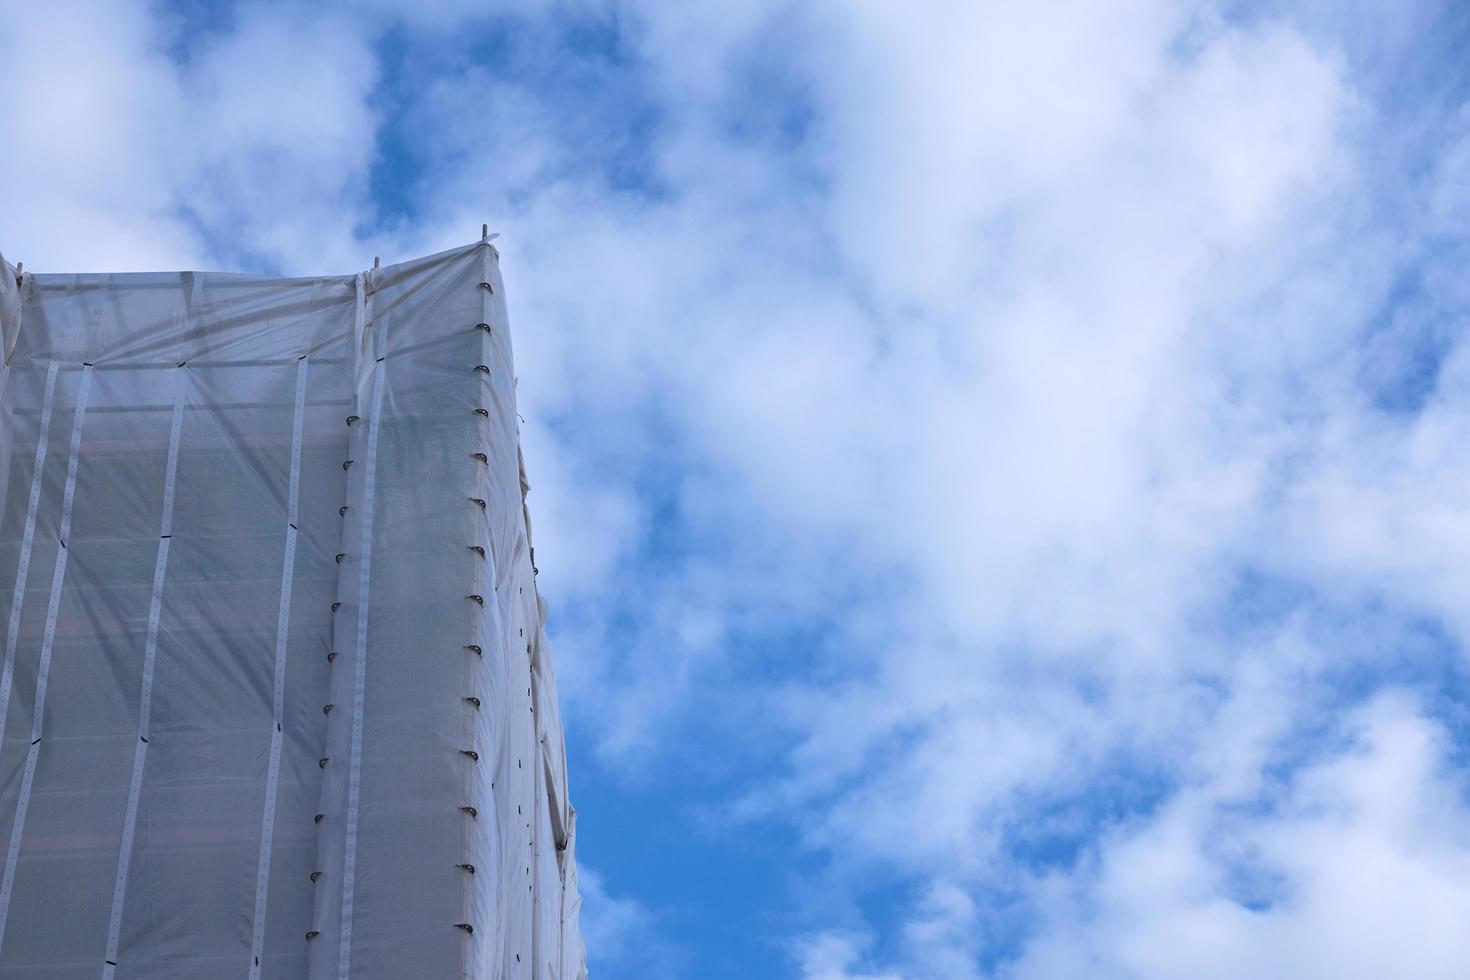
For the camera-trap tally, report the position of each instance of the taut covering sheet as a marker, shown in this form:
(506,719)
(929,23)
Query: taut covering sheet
(276,695)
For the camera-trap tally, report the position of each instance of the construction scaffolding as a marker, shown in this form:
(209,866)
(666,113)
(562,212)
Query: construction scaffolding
(276,695)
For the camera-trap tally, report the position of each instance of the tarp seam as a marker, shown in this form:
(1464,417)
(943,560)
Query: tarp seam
(43,671)
(145,702)
(359,666)
(22,572)
(278,709)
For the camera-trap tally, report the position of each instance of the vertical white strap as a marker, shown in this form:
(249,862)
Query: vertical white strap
(7,885)
(278,711)
(7,673)
(145,701)
(359,677)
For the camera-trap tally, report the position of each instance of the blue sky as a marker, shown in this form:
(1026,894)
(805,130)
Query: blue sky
(998,470)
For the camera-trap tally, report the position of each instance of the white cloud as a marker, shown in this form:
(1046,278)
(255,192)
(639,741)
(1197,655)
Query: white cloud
(621,930)
(1359,865)
(833,956)
(121,156)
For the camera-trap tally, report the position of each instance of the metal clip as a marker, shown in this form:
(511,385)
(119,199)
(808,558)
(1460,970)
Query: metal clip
(353,418)
(346,464)
(474,756)
(467,868)
(466,927)
(315,875)
(476,549)
(327,708)
(471,811)
(322,763)
(473,701)
(481,457)
(475,649)
(477,598)
(481,411)
(482,368)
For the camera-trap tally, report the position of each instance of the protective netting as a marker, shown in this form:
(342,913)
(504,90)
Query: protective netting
(276,696)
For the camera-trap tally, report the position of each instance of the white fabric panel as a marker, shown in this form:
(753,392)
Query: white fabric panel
(275,695)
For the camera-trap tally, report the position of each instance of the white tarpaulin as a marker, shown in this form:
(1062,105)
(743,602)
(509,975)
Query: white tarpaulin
(276,694)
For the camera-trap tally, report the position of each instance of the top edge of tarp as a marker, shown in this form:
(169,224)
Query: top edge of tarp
(170,279)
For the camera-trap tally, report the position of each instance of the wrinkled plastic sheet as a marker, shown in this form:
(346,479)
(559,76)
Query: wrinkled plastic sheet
(277,698)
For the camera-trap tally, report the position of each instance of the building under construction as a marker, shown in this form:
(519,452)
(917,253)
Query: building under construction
(276,695)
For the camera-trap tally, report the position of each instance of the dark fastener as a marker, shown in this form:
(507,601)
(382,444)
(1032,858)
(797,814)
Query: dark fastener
(478,502)
(327,708)
(475,649)
(473,701)
(340,556)
(318,818)
(471,811)
(342,511)
(336,605)
(466,868)
(466,927)
(322,763)
(331,656)
(481,411)
(486,285)
(315,875)
(312,935)
(483,326)
(478,598)
(483,369)
(476,549)
(346,463)
(481,457)
(474,756)
(353,418)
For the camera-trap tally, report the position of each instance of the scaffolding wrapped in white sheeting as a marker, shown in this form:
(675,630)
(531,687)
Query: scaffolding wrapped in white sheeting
(276,694)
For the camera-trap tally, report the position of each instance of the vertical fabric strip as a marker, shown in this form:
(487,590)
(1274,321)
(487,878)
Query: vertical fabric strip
(23,569)
(145,701)
(278,711)
(7,885)
(359,677)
